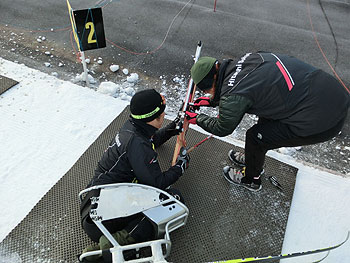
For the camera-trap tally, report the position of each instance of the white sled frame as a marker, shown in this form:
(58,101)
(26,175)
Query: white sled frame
(125,199)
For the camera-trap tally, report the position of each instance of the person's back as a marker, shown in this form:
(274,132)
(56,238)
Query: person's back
(285,88)
(131,157)
(113,166)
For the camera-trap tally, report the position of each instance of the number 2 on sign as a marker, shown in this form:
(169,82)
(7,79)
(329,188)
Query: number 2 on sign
(92,31)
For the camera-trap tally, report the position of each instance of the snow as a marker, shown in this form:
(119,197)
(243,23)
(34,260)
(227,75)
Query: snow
(81,78)
(133,78)
(108,87)
(125,71)
(47,124)
(114,68)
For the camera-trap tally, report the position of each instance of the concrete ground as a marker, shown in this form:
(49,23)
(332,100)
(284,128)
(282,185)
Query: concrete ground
(158,38)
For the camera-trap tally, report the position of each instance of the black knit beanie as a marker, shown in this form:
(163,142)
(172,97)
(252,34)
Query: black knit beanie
(146,105)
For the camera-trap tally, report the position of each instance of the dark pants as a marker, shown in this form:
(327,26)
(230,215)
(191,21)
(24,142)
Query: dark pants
(267,135)
(138,226)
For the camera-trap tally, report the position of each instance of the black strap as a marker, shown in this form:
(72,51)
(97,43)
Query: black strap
(86,203)
(220,81)
(107,256)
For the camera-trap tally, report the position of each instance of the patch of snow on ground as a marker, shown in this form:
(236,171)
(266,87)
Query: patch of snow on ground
(108,88)
(46,125)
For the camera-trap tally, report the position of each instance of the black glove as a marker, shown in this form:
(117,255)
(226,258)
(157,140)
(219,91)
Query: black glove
(183,160)
(175,127)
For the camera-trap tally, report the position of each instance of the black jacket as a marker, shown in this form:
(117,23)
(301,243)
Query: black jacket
(131,157)
(276,87)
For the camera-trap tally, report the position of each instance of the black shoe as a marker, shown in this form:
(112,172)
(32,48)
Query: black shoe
(237,158)
(94,258)
(235,176)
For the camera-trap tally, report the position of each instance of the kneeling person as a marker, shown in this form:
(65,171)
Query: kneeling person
(131,158)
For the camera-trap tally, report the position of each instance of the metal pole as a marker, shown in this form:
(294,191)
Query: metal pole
(194,147)
(85,69)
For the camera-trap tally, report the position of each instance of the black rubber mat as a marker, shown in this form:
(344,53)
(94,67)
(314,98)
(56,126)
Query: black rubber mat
(6,83)
(225,221)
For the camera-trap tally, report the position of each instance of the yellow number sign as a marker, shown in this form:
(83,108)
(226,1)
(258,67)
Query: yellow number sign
(87,27)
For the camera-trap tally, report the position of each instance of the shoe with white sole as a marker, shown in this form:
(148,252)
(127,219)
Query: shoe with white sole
(234,176)
(238,158)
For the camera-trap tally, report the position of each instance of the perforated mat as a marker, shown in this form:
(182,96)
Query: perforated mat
(6,83)
(225,221)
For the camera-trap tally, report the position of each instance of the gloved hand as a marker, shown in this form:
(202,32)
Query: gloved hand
(175,127)
(201,101)
(183,160)
(191,117)
(178,125)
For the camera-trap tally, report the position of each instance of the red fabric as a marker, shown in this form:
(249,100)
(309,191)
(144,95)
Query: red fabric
(202,101)
(285,75)
(191,117)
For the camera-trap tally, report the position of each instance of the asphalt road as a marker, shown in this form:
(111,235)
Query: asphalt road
(158,37)
(234,28)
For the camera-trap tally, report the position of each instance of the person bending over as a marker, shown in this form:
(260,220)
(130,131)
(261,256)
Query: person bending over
(296,103)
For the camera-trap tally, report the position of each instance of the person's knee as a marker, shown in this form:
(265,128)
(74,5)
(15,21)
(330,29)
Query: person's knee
(254,136)
(91,229)
(144,231)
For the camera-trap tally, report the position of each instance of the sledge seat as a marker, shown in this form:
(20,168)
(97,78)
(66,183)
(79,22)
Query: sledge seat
(126,199)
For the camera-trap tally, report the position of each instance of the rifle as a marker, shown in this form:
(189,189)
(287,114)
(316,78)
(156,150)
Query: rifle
(183,123)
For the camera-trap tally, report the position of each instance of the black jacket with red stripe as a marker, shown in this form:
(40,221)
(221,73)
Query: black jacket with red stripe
(276,87)
(131,157)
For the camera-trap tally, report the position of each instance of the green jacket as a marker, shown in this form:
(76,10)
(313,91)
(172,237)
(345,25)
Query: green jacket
(228,119)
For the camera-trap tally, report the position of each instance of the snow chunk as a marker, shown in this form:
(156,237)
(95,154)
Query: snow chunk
(108,88)
(288,150)
(133,78)
(47,64)
(124,96)
(126,71)
(114,68)
(176,79)
(81,78)
(129,91)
